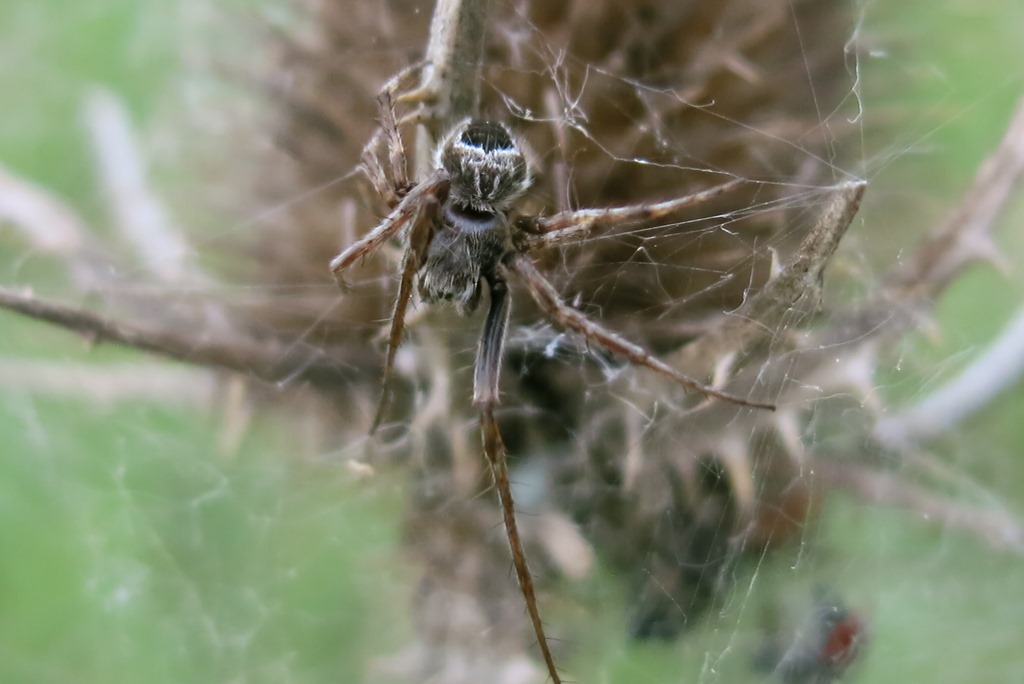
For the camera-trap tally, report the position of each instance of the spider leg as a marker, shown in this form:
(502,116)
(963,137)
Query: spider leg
(434,186)
(389,128)
(492,344)
(494,451)
(375,173)
(544,293)
(419,238)
(391,185)
(573,226)
(485,395)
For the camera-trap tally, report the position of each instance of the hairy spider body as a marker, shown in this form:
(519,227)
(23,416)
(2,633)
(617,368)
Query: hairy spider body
(458,235)
(487,168)
(486,174)
(463,251)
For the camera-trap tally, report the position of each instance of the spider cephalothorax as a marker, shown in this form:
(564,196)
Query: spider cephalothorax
(486,166)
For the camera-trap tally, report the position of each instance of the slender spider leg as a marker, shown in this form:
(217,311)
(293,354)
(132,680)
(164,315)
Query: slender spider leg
(492,344)
(573,226)
(434,186)
(420,234)
(496,454)
(373,170)
(485,395)
(396,148)
(390,187)
(544,293)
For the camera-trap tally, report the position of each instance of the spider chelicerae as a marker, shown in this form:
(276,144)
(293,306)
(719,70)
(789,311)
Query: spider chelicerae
(460,235)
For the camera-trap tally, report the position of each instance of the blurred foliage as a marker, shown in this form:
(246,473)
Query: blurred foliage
(132,550)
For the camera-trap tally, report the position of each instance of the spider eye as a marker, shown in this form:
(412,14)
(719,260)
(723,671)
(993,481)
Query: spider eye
(487,136)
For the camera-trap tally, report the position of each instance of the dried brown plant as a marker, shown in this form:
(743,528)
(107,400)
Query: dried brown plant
(619,103)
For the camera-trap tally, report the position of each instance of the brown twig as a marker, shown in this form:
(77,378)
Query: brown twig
(139,216)
(944,409)
(999,528)
(908,292)
(910,288)
(965,236)
(788,298)
(454,57)
(111,383)
(268,359)
(50,226)
(450,81)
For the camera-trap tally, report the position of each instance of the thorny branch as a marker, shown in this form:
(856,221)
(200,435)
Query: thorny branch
(910,289)
(855,336)
(975,387)
(966,237)
(267,359)
(908,293)
(449,89)
(793,294)
(999,528)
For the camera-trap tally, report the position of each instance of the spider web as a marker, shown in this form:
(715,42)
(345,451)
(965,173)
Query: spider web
(169,524)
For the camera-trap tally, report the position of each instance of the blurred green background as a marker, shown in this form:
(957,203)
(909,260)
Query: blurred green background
(132,550)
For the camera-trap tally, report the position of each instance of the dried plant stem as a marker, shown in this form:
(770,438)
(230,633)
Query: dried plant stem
(911,288)
(50,226)
(998,528)
(791,296)
(965,236)
(454,58)
(140,218)
(908,292)
(945,408)
(111,383)
(269,359)
(450,80)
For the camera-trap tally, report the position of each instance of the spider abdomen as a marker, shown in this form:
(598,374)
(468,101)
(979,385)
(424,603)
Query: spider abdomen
(466,247)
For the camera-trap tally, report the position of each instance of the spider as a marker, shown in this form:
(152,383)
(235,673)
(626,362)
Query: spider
(461,237)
